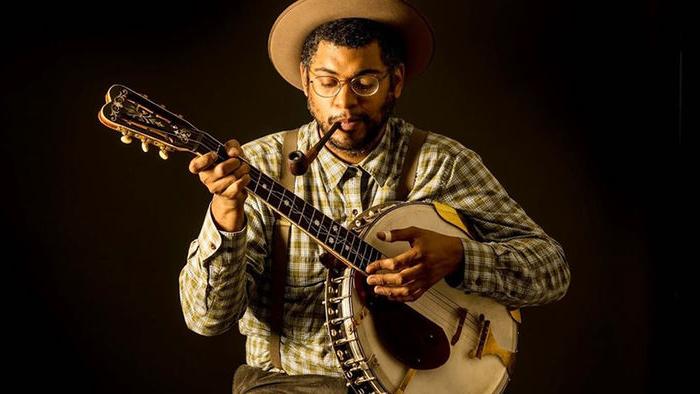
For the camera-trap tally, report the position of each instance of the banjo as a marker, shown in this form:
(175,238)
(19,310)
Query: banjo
(446,341)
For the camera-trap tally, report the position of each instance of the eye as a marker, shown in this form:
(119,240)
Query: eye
(327,82)
(365,84)
(365,81)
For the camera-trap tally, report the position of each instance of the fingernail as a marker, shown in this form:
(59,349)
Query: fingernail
(384,235)
(371,280)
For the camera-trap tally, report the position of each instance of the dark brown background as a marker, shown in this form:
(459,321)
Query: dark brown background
(572,104)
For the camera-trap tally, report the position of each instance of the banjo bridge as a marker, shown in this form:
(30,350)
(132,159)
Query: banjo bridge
(488,345)
(462,313)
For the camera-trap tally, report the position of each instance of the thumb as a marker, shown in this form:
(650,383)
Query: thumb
(401,234)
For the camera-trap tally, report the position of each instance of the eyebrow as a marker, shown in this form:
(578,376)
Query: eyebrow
(361,72)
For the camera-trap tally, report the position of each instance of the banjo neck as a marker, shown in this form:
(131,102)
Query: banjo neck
(344,244)
(134,115)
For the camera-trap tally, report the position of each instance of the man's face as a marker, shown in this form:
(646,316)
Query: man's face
(366,115)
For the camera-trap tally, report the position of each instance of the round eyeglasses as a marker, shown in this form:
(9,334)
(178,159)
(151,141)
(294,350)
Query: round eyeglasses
(362,85)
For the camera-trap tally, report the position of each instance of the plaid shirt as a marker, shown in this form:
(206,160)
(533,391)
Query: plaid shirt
(226,277)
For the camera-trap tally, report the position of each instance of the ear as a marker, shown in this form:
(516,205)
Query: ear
(399,73)
(304,73)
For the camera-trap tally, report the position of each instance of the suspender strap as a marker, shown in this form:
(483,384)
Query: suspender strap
(282,229)
(410,164)
(280,256)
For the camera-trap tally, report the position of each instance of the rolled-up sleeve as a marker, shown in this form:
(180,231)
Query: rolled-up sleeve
(511,258)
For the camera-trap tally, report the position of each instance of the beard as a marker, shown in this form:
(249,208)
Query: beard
(373,128)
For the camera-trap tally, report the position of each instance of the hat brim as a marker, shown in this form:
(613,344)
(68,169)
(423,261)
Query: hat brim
(299,19)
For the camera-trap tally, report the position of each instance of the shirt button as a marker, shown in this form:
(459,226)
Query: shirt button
(354,212)
(477,282)
(212,246)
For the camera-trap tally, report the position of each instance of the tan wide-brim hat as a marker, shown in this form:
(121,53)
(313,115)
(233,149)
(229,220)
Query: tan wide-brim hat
(303,16)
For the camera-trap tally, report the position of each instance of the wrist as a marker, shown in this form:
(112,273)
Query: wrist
(458,255)
(228,215)
(456,275)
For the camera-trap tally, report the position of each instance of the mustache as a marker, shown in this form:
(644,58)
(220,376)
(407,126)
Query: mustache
(353,118)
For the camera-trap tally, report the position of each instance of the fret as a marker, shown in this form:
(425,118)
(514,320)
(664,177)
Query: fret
(341,236)
(254,180)
(275,197)
(296,210)
(221,152)
(265,188)
(305,218)
(325,228)
(361,251)
(347,250)
(360,247)
(353,249)
(369,251)
(286,200)
(315,223)
(369,254)
(376,255)
(333,231)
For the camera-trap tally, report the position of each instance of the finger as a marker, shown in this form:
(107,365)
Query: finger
(391,279)
(200,163)
(401,294)
(395,263)
(404,277)
(412,296)
(233,148)
(414,273)
(220,185)
(392,291)
(237,188)
(226,167)
(243,169)
(402,234)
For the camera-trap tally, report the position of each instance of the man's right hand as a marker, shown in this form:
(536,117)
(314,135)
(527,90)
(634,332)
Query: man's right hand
(226,181)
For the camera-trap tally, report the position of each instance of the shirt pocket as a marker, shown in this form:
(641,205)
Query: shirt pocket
(303,311)
(305,270)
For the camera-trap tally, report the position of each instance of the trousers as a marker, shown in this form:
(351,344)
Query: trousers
(254,380)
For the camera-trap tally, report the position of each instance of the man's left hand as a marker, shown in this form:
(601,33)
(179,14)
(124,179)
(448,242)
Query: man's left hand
(431,257)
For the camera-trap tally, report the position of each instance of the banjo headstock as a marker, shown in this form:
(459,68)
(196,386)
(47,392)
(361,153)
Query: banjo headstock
(135,116)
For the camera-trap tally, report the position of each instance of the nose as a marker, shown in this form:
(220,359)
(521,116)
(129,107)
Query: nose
(346,98)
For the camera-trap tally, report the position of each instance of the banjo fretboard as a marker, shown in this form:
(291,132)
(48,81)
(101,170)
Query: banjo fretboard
(332,235)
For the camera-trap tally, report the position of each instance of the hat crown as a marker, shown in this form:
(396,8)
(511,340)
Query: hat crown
(295,23)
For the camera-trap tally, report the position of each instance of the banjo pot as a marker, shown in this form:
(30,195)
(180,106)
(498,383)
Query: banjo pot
(473,347)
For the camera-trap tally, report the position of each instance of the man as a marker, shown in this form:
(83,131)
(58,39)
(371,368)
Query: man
(352,60)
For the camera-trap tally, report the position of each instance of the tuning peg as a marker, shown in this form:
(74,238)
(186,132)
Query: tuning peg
(163,154)
(144,145)
(126,138)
